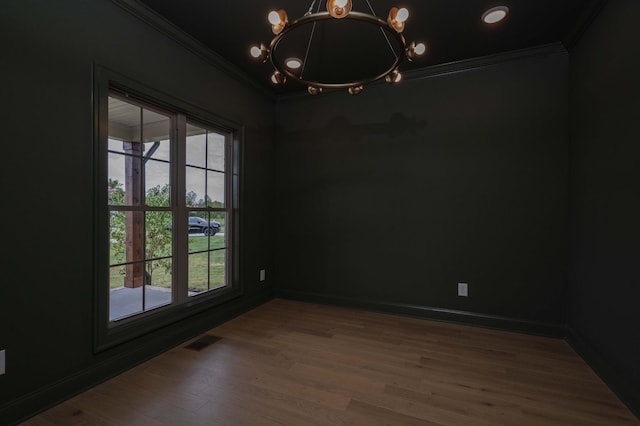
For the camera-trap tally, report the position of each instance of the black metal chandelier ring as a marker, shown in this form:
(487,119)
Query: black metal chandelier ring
(323,16)
(336,9)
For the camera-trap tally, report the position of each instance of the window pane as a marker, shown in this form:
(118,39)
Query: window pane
(116,277)
(127,235)
(155,297)
(126,296)
(124,302)
(217,269)
(196,146)
(196,180)
(116,189)
(207,271)
(198,273)
(215,152)
(215,189)
(201,225)
(158,235)
(219,239)
(159,150)
(157,183)
(158,291)
(156,131)
(116,237)
(116,145)
(134,275)
(124,120)
(197,243)
(133,241)
(159,273)
(124,180)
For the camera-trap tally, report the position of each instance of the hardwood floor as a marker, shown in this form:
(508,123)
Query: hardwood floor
(293,363)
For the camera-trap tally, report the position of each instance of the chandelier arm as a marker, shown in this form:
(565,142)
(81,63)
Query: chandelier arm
(323,16)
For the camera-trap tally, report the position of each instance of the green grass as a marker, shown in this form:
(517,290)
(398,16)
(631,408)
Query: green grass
(206,270)
(202,277)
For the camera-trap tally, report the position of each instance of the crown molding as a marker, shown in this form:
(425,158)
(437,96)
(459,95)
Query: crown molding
(583,22)
(485,61)
(170,30)
(458,66)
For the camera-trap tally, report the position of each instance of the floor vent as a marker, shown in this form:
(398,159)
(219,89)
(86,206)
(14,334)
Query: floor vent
(202,342)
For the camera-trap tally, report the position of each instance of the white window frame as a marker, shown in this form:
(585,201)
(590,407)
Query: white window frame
(110,333)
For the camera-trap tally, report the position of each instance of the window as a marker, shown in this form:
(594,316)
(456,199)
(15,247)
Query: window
(167,228)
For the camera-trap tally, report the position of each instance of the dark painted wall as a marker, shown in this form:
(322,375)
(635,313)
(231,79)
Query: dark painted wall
(398,194)
(605,193)
(46,300)
(393,196)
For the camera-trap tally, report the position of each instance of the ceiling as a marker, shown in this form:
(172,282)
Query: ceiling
(452,30)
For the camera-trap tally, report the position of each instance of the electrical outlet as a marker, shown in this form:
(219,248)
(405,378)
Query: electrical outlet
(463,289)
(263,274)
(2,361)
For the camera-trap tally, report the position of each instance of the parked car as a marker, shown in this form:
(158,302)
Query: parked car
(198,225)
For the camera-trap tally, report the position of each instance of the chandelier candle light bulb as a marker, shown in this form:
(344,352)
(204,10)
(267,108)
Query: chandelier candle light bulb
(394,77)
(339,8)
(256,52)
(397,18)
(403,15)
(293,63)
(274,18)
(414,50)
(278,20)
(261,52)
(355,90)
(278,78)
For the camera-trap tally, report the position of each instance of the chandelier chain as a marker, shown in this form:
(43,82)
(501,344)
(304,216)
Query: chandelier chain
(313,30)
(310,11)
(382,31)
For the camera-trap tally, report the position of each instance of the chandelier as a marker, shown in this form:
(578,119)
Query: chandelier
(294,68)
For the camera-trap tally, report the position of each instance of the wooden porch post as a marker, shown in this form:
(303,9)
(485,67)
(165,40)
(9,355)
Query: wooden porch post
(134,221)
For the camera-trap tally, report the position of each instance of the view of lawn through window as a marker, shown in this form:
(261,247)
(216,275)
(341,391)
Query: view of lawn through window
(144,203)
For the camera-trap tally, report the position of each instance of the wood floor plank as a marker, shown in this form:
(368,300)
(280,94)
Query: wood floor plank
(294,363)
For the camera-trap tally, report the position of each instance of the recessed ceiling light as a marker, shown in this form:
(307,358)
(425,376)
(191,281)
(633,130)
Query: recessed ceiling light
(293,63)
(495,14)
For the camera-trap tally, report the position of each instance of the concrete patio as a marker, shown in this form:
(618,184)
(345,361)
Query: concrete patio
(124,302)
